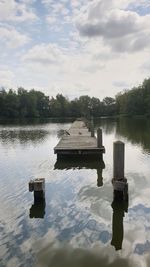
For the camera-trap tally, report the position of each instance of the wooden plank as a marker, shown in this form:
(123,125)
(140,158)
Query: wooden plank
(79,128)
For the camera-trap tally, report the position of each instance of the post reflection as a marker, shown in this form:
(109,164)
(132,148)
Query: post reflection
(80,163)
(99,177)
(119,209)
(37,210)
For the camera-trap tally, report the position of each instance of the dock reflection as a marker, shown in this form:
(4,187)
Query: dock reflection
(82,163)
(119,209)
(37,210)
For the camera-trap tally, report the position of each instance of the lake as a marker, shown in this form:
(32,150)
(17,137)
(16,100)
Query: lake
(78,224)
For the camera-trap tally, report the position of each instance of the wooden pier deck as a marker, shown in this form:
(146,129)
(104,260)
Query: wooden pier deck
(78,141)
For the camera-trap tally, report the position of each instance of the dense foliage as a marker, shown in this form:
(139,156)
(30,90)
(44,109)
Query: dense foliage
(27,104)
(136,101)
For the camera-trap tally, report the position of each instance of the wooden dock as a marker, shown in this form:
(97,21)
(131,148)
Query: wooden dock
(78,142)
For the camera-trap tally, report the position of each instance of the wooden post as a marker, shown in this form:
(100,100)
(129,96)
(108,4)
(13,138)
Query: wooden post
(38,187)
(31,186)
(119,181)
(92,129)
(118,158)
(99,138)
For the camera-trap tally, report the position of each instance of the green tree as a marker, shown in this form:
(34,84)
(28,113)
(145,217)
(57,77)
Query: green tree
(109,106)
(3,95)
(11,104)
(85,105)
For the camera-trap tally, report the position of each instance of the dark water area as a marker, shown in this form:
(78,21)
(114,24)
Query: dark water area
(78,224)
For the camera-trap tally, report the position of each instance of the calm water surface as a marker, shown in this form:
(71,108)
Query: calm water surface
(78,225)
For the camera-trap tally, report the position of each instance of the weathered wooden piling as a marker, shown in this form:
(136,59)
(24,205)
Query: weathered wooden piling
(99,138)
(38,187)
(118,160)
(92,129)
(119,181)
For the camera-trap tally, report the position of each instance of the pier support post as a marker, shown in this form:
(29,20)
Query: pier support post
(99,138)
(38,187)
(118,160)
(119,181)
(92,129)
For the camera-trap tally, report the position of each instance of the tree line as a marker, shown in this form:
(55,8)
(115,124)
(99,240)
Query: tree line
(34,104)
(135,101)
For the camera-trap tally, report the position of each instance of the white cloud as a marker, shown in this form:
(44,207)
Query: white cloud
(68,62)
(122,30)
(56,7)
(6,78)
(45,54)
(51,20)
(58,14)
(76,3)
(47,2)
(145,68)
(11,38)
(93,69)
(121,84)
(10,10)
(139,3)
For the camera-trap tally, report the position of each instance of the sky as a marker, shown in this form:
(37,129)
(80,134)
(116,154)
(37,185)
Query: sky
(74,47)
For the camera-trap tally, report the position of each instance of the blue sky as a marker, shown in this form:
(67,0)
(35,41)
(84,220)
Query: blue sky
(95,47)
